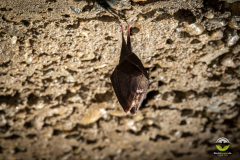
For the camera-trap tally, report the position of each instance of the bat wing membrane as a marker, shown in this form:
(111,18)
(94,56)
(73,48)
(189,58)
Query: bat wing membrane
(118,90)
(125,83)
(132,58)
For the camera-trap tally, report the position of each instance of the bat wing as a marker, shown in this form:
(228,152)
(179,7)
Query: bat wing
(119,90)
(132,58)
(129,84)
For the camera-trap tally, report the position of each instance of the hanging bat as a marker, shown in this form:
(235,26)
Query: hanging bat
(130,79)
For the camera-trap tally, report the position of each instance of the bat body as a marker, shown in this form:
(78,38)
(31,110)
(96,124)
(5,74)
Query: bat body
(130,79)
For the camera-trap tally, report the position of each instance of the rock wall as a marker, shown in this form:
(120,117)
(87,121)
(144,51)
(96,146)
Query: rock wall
(57,100)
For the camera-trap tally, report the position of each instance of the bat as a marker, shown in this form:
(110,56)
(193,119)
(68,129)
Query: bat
(130,79)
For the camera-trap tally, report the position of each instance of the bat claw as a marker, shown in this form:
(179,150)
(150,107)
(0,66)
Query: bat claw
(130,24)
(119,24)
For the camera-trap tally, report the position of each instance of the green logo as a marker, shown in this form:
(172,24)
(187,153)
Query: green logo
(222,149)
(222,144)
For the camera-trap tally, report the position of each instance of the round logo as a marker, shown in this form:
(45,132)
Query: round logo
(222,144)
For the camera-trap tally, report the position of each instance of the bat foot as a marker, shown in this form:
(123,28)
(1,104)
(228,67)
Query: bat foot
(130,24)
(119,24)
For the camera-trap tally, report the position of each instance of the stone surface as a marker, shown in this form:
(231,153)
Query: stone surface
(56,98)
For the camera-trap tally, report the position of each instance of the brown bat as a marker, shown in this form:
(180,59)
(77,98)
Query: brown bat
(130,79)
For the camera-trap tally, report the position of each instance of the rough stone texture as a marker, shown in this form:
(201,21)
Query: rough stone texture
(56,98)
